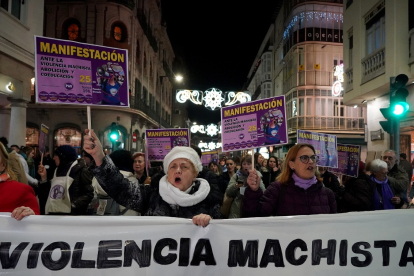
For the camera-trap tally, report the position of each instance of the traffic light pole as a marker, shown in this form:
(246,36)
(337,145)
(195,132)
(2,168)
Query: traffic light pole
(396,138)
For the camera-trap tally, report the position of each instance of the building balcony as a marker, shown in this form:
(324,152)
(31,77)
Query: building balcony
(411,47)
(147,29)
(325,123)
(127,3)
(349,79)
(140,104)
(373,65)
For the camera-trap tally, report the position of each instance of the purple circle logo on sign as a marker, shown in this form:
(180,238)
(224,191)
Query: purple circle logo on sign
(88,98)
(63,97)
(160,151)
(53,96)
(241,136)
(68,86)
(72,97)
(43,95)
(80,98)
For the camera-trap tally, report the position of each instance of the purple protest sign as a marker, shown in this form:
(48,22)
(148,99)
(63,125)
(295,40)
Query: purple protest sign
(348,160)
(43,135)
(69,72)
(324,144)
(209,156)
(254,124)
(161,141)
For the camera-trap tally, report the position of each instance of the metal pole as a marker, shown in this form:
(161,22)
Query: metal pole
(396,141)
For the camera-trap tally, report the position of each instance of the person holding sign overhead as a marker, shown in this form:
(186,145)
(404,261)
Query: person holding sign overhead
(297,190)
(178,194)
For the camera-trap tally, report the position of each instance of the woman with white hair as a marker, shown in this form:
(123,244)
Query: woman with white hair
(384,197)
(178,194)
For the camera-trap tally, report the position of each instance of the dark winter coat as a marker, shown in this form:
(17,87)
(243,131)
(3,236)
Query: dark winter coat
(398,179)
(146,198)
(293,201)
(331,181)
(269,176)
(223,181)
(358,194)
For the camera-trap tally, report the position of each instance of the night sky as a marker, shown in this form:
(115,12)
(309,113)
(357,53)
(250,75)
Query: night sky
(218,43)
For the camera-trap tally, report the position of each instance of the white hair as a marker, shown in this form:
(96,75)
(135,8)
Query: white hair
(377,164)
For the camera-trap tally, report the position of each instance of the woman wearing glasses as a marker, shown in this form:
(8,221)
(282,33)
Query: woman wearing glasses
(297,190)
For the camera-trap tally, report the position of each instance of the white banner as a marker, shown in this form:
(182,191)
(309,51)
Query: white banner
(368,243)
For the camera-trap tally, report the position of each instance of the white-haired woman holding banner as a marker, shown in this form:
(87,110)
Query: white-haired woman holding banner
(178,194)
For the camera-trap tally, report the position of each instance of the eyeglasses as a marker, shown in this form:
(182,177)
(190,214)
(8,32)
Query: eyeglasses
(305,159)
(387,157)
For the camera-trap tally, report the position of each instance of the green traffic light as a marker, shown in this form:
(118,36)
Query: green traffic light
(400,108)
(114,136)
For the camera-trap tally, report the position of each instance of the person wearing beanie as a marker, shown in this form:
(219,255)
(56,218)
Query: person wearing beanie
(17,198)
(71,188)
(179,193)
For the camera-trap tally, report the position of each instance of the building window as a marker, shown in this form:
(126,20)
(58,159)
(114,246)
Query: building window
(14,7)
(32,136)
(375,32)
(69,136)
(137,53)
(73,31)
(119,32)
(351,46)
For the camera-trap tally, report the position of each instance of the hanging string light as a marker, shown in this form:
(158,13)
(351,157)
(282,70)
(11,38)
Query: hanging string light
(213,98)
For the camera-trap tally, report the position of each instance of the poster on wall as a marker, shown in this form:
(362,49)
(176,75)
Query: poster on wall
(161,141)
(69,72)
(254,124)
(324,144)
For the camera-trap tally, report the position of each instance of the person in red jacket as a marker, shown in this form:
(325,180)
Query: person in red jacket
(15,197)
(297,190)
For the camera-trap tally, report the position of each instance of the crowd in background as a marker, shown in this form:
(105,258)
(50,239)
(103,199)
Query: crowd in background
(180,186)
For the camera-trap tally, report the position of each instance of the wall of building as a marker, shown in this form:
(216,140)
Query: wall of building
(396,47)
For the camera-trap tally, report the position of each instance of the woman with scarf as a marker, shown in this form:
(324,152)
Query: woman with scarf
(179,193)
(71,188)
(17,198)
(238,184)
(297,190)
(384,197)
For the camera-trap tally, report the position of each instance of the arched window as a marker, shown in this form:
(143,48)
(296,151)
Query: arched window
(137,53)
(119,32)
(68,136)
(71,29)
(32,136)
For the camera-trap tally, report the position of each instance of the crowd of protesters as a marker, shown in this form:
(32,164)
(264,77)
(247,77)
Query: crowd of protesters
(93,183)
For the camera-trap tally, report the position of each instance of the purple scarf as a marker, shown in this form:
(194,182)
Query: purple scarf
(303,183)
(386,195)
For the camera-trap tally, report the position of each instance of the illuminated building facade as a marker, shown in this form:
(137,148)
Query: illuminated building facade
(301,57)
(137,26)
